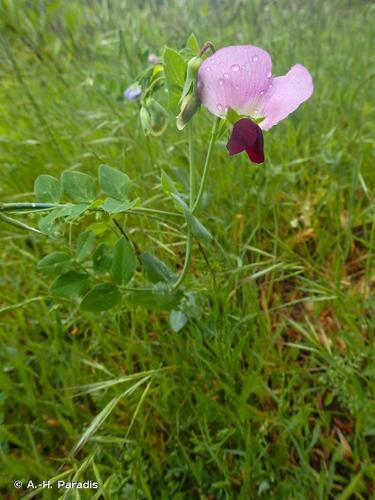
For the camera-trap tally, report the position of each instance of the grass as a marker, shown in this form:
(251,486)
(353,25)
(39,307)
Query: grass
(269,391)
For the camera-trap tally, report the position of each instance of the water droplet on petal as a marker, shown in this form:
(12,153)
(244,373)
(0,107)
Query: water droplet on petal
(226,75)
(270,86)
(221,63)
(255,58)
(208,69)
(220,82)
(219,107)
(261,92)
(269,74)
(235,67)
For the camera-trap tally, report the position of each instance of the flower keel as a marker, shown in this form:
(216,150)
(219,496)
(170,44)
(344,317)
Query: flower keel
(247,136)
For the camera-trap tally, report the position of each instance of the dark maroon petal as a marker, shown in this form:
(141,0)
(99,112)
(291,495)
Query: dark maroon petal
(247,136)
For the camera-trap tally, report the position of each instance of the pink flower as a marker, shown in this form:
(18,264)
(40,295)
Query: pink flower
(240,77)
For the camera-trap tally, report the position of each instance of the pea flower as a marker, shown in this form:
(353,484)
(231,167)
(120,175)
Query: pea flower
(133,92)
(153,59)
(239,77)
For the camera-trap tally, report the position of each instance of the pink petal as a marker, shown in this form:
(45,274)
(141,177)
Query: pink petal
(235,77)
(247,136)
(285,95)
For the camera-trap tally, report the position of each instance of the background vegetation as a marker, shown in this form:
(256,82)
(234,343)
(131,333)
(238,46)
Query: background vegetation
(268,391)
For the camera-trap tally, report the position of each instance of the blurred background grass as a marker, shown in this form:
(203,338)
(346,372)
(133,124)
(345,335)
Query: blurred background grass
(269,393)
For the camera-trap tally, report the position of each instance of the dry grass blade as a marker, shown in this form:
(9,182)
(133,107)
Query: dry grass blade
(103,415)
(80,390)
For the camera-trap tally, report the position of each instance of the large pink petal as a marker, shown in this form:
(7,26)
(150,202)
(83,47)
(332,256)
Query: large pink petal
(285,95)
(235,77)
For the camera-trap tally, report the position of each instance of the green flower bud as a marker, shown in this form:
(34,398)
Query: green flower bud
(189,106)
(145,118)
(158,116)
(191,76)
(193,66)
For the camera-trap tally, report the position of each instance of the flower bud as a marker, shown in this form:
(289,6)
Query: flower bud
(145,118)
(133,93)
(158,116)
(189,106)
(193,66)
(191,76)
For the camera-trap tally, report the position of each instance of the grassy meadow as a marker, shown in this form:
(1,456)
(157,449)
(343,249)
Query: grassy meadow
(268,390)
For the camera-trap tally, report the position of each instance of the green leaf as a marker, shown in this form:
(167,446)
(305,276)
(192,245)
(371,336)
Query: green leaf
(74,211)
(113,206)
(178,320)
(101,298)
(175,69)
(114,183)
(71,284)
(197,228)
(47,224)
(124,261)
(167,183)
(193,44)
(102,259)
(47,189)
(18,223)
(233,116)
(54,263)
(85,245)
(159,298)
(77,186)
(155,269)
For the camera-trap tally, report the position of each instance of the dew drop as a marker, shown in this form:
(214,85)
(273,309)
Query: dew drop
(270,86)
(255,58)
(226,75)
(221,63)
(208,69)
(269,74)
(261,92)
(221,82)
(235,68)
(219,107)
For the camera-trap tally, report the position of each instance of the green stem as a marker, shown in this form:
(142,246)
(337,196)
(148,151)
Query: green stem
(10,207)
(154,211)
(191,165)
(214,134)
(189,246)
(15,207)
(195,205)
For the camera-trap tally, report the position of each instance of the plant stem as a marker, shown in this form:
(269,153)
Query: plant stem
(191,165)
(195,205)
(189,246)
(154,211)
(10,207)
(214,134)
(206,46)
(14,207)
